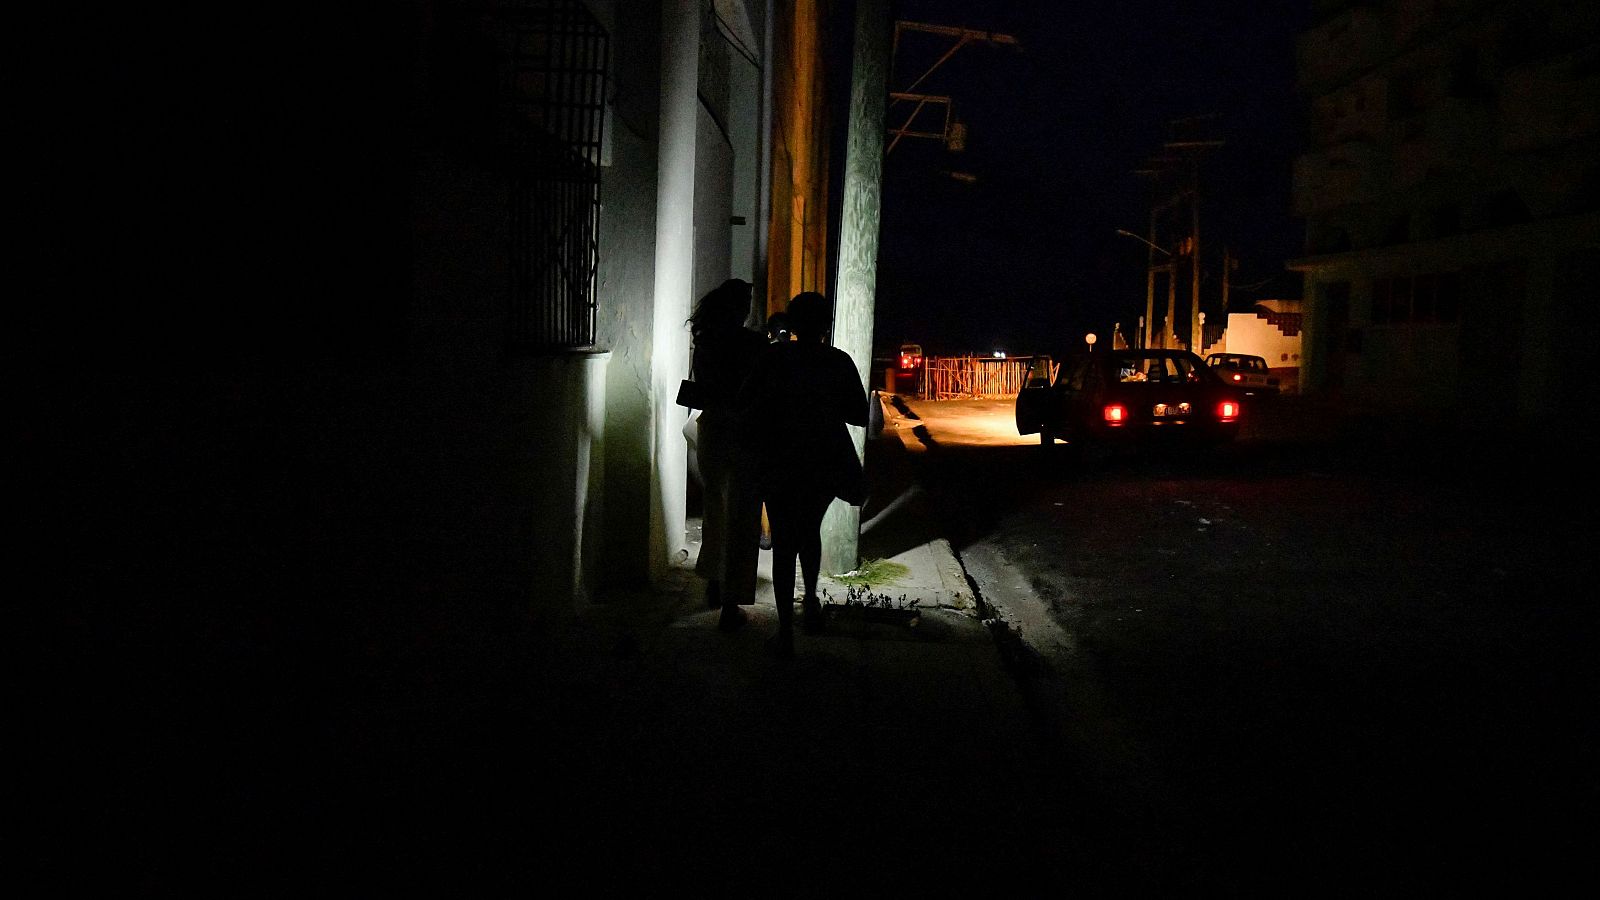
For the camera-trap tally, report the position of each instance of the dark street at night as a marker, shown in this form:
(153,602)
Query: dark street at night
(1370,662)
(425,405)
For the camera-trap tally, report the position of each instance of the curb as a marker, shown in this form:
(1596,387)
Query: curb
(892,417)
(953,579)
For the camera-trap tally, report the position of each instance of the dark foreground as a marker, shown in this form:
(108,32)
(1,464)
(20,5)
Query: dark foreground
(1369,668)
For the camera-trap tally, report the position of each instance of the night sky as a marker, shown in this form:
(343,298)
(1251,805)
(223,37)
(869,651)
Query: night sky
(1025,259)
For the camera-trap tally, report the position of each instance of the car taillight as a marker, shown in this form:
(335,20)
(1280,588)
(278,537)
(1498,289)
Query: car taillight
(905,362)
(1238,377)
(1116,415)
(1228,411)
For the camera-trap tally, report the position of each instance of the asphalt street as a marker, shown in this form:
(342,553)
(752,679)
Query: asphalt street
(1328,655)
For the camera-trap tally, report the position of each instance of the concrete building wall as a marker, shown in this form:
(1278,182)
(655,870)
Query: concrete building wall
(563,418)
(744,134)
(626,283)
(642,327)
(713,204)
(1451,145)
(627,314)
(1496,360)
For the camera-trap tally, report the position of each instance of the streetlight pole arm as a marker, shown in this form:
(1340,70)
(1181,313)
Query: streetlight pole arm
(1143,241)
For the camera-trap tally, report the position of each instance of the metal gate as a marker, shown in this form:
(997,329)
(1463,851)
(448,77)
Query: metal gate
(974,377)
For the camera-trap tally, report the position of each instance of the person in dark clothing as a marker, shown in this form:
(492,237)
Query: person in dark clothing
(725,354)
(777,333)
(806,392)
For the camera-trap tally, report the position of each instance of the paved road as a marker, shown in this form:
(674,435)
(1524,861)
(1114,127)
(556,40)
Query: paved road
(1300,662)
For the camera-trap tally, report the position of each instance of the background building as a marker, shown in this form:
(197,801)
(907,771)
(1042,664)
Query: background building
(1450,190)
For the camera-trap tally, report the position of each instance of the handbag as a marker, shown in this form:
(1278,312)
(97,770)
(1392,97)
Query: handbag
(850,479)
(690,393)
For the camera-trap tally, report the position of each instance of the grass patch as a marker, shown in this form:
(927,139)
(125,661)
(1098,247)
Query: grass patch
(873,572)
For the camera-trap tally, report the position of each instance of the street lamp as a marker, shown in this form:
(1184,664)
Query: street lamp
(1150,281)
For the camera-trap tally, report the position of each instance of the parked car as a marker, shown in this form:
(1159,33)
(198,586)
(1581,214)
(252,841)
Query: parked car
(1127,396)
(910,357)
(909,376)
(1249,373)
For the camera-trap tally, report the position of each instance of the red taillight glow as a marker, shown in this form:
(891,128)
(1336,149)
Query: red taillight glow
(905,362)
(1116,415)
(1238,377)
(1228,411)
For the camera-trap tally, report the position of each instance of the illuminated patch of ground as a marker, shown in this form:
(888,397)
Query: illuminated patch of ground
(873,572)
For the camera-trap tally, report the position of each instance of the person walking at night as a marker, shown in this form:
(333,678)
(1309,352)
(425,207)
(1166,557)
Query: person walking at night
(777,333)
(806,393)
(724,356)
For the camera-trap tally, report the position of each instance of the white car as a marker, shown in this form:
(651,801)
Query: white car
(1243,371)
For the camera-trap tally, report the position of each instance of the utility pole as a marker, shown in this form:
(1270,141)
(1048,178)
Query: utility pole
(1149,285)
(1171,165)
(1227,281)
(1172,302)
(1196,339)
(1159,332)
(1191,149)
(951,132)
(853,296)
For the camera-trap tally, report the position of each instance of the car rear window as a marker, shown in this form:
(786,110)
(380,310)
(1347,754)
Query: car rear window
(1168,369)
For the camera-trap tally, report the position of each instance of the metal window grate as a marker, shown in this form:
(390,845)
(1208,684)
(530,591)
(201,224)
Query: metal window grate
(553,57)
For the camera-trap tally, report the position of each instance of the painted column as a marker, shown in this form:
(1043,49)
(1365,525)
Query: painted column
(674,276)
(762,224)
(858,243)
(801,146)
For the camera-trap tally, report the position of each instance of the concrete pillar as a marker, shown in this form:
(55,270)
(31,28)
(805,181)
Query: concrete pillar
(853,297)
(674,275)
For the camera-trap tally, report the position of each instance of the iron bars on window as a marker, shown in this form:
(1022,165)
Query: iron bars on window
(553,58)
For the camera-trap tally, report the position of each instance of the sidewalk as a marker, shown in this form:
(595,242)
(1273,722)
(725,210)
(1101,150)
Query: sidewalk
(886,756)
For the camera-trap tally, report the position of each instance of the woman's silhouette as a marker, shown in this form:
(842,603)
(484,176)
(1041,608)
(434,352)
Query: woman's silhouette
(805,393)
(725,354)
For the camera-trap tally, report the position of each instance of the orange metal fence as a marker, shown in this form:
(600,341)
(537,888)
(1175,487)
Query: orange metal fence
(973,377)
